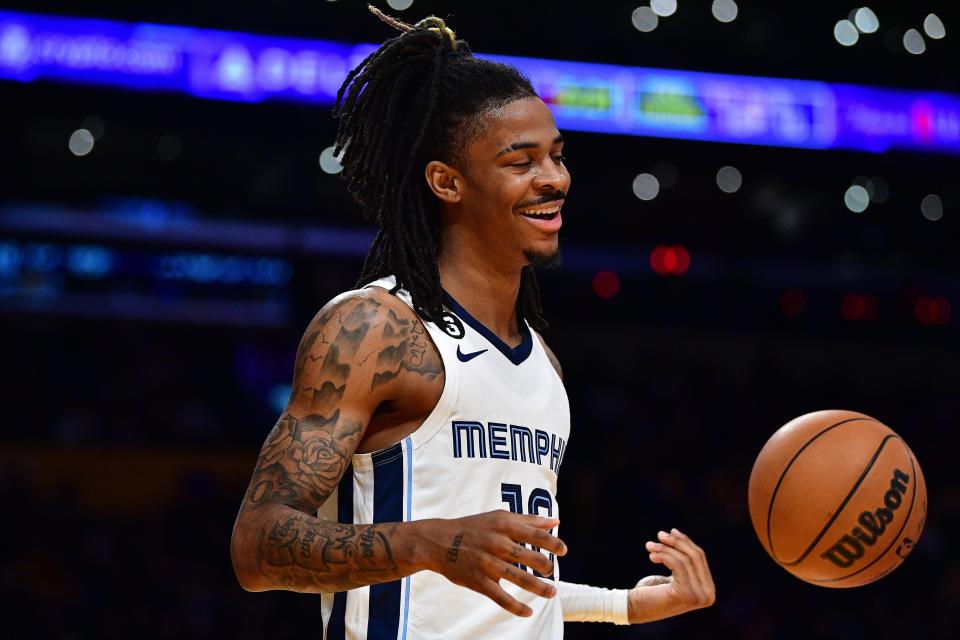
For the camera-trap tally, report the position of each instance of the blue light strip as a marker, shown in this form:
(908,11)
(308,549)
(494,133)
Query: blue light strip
(280,239)
(189,248)
(638,101)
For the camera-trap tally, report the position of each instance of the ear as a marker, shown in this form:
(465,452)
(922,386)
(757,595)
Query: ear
(445,181)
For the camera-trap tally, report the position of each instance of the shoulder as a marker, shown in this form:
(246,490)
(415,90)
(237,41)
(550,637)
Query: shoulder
(357,313)
(550,355)
(368,303)
(370,336)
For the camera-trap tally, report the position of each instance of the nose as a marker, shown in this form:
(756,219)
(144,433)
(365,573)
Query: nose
(552,177)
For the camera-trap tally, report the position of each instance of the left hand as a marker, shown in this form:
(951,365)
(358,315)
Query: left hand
(688,587)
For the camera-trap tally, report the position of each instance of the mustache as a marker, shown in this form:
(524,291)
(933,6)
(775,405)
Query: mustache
(550,197)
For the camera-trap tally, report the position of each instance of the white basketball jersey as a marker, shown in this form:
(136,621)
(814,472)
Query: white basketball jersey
(495,440)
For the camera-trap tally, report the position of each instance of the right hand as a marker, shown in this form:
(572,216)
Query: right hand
(477,551)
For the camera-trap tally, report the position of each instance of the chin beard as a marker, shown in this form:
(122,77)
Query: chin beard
(544,260)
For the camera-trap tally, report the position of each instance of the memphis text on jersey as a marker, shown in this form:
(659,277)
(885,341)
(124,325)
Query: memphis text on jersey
(507,442)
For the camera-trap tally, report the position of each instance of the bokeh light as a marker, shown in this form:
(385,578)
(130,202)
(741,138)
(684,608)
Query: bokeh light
(845,32)
(913,42)
(933,27)
(81,142)
(866,183)
(606,284)
(729,179)
(664,8)
(724,10)
(931,207)
(646,186)
(329,162)
(644,19)
(400,5)
(879,189)
(866,20)
(856,307)
(932,311)
(95,125)
(670,260)
(856,198)
(792,303)
(666,173)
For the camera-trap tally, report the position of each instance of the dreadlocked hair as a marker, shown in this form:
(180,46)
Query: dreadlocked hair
(418,98)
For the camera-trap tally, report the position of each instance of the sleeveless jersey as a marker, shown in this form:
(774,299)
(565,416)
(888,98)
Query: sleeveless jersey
(495,440)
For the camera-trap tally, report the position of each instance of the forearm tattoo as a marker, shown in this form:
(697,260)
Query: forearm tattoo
(303,553)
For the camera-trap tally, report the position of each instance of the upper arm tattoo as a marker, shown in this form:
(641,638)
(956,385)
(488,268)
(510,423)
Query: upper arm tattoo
(305,455)
(405,347)
(354,348)
(303,460)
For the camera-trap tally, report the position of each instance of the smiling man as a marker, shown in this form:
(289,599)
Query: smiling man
(412,478)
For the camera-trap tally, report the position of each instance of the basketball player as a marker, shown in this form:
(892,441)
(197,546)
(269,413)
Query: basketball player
(412,478)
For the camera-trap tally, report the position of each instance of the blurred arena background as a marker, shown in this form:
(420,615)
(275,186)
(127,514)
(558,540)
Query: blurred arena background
(171,218)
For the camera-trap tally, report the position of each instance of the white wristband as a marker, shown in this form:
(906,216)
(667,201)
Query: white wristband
(583,603)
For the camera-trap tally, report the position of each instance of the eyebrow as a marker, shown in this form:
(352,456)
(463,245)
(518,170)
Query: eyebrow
(516,146)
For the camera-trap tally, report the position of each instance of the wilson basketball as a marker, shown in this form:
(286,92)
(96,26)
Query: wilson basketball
(837,498)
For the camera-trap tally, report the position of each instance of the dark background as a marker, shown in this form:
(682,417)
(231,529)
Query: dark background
(129,437)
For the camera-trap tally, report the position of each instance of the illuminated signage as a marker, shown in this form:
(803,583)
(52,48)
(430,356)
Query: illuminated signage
(583,96)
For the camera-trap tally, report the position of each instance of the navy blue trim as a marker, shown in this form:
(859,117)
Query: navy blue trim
(336,630)
(516,355)
(386,606)
(385,456)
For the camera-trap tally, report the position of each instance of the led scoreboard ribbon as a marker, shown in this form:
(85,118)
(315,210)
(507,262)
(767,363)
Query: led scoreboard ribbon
(638,101)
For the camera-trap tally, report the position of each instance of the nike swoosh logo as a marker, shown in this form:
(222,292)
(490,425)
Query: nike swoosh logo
(467,357)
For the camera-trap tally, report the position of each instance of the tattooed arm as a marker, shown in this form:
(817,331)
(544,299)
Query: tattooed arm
(366,375)
(348,363)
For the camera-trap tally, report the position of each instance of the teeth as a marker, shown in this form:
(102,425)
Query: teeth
(540,212)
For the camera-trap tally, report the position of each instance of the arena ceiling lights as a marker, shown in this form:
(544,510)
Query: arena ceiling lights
(639,101)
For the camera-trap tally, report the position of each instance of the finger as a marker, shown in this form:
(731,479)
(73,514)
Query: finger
(495,592)
(702,566)
(520,553)
(684,572)
(528,581)
(703,554)
(538,521)
(680,541)
(540,538)
(531,558)
(679,563)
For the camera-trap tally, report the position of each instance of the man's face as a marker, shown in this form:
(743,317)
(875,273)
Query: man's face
(515,183)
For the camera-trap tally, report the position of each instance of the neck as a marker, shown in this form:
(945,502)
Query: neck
(487,291)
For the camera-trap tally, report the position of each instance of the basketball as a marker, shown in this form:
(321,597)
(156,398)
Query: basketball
(837,498)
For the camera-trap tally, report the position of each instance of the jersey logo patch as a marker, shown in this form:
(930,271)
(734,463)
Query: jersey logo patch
(467,357)
(452,325)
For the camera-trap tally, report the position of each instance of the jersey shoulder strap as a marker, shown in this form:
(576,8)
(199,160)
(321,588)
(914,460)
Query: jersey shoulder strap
(451,326)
